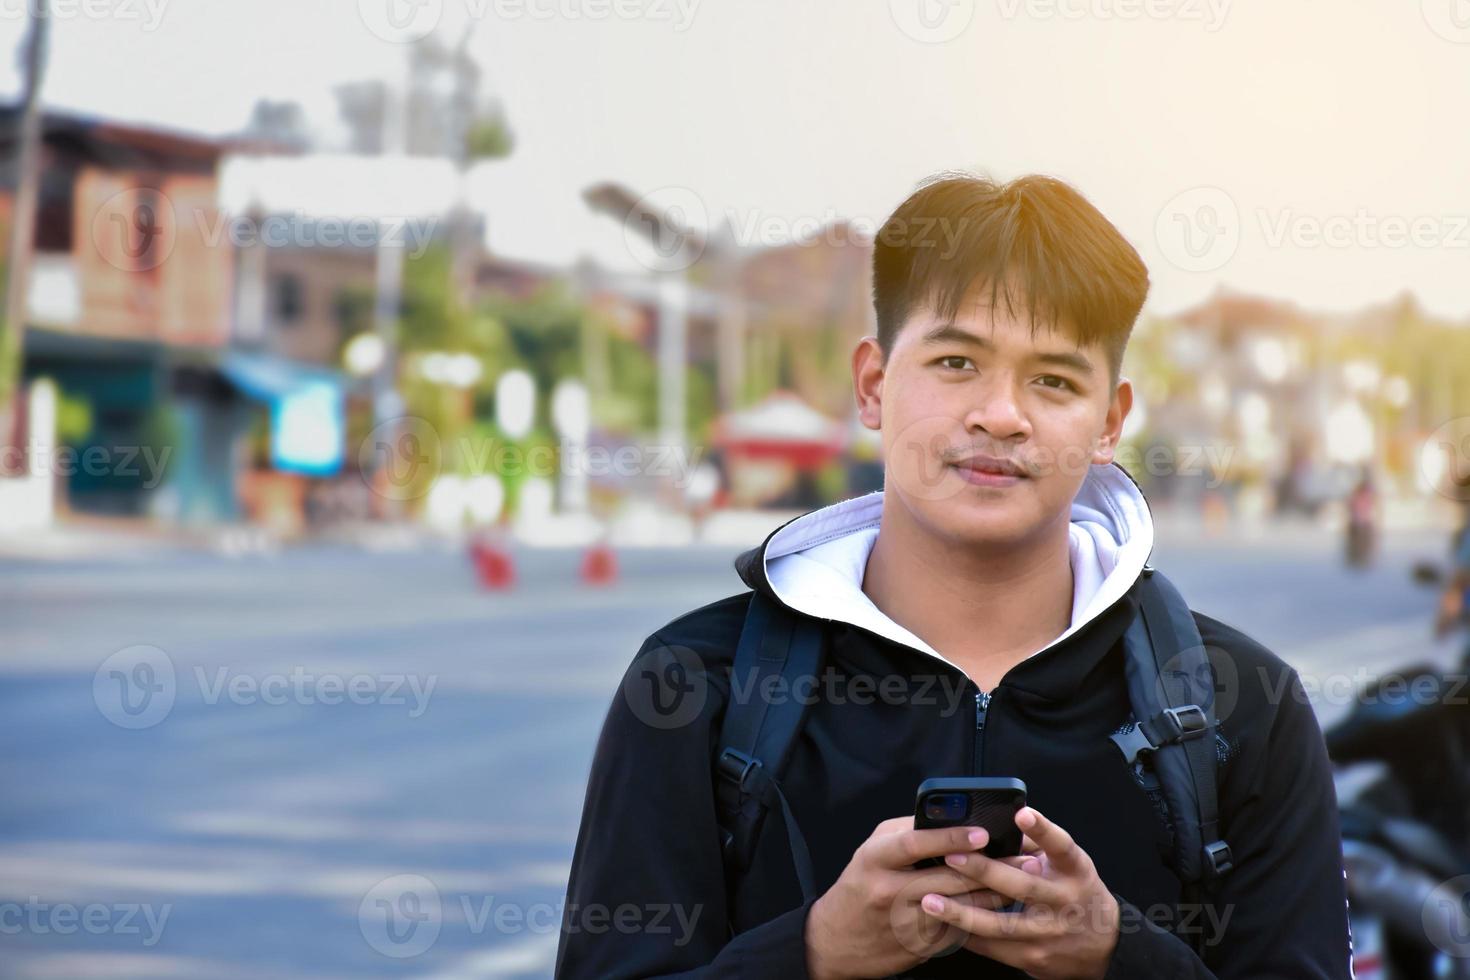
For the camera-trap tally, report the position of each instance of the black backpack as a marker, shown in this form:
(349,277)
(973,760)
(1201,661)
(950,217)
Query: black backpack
(1172,748)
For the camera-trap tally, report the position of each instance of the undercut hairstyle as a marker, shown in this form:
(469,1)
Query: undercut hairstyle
(1036,244)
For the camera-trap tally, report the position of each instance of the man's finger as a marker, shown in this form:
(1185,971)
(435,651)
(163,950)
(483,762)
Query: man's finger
(900,850)
(1019,884)
(893,825)
(984,923)
(941,880)
(944,881)
(1059,846)
(985,898)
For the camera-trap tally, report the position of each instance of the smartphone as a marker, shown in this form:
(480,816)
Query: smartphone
(973,801)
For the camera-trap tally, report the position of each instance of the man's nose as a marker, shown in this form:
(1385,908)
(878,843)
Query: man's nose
(998,413)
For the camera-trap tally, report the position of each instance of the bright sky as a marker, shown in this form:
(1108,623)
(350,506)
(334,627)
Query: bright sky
(1314,149)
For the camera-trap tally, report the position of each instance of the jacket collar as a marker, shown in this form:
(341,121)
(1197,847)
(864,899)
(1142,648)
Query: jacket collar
(815,563)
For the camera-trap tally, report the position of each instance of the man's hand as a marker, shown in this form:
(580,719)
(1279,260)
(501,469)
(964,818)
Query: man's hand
(1069,925)
(869,923)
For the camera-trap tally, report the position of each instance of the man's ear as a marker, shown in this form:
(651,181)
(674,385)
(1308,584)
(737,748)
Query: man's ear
(1118,408)
(867,381)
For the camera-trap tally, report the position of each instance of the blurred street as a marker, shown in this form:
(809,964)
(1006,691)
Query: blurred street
(253,832)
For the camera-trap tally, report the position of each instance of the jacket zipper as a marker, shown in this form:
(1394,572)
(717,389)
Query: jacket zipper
(982,709)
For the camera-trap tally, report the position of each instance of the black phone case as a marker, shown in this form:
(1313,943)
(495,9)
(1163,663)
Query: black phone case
(993,808)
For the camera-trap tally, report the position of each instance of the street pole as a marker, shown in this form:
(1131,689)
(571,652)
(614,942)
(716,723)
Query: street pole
(673,330)
(22,221)
(463,251)
(731,323)
(387,405)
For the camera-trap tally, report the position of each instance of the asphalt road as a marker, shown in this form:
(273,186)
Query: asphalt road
(236,767)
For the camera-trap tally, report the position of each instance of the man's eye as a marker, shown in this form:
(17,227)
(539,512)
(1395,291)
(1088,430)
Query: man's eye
(949,362)
(1064,385)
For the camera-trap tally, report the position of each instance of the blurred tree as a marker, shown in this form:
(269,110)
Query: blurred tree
(550,334)
(489,136)
(445,115)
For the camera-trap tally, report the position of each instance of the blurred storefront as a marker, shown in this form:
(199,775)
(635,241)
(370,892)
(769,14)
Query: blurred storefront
(773,450)
(127,308)
(171,404)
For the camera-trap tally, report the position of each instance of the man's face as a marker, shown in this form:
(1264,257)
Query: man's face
(959,402)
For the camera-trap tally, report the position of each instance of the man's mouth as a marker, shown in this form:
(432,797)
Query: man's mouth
(990,466)
(989,471)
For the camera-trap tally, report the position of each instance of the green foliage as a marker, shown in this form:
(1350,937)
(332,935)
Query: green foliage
(9,339)
(489,138)
(9,363)
(700,397)
(550,335)
(161,429)
(431,318)
(73,417)
(544,336)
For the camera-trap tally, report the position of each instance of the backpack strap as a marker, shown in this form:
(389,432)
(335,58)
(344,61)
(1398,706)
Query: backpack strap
(1171,686)
(763,717)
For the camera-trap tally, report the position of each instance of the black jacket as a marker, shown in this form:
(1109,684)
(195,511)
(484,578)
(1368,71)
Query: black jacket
(648,895)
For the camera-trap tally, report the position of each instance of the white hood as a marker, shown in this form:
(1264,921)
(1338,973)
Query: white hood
(815,563)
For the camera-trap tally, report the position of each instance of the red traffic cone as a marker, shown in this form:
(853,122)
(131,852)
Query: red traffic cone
(493,564)
(599,566)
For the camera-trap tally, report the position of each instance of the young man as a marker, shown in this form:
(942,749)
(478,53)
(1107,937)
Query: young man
(972,617)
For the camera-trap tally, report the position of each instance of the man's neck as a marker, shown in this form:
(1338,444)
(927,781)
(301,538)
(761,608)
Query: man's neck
(986,609)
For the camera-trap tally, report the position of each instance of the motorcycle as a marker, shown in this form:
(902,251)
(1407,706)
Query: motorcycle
(1402,769)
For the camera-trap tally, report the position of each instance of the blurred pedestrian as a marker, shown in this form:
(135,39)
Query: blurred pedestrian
(1362,524)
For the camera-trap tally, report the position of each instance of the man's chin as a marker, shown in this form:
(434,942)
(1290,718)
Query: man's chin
(994,523)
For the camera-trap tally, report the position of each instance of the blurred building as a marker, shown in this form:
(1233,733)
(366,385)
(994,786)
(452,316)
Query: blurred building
(129,306)
(196,351)
(1293,404)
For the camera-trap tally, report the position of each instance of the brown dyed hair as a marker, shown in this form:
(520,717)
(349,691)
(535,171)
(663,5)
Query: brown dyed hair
(1035,243)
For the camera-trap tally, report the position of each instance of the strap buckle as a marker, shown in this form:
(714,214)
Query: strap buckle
(1219,857)
(1133,743)
(737,767)
(1185,722)
(1167,727)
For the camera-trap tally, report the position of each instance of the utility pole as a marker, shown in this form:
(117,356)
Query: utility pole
(22,219)
(730,328)
(676,247)
(387,405)
(461,113)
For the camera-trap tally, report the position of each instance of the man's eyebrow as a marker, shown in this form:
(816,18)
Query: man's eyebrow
(949,333)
